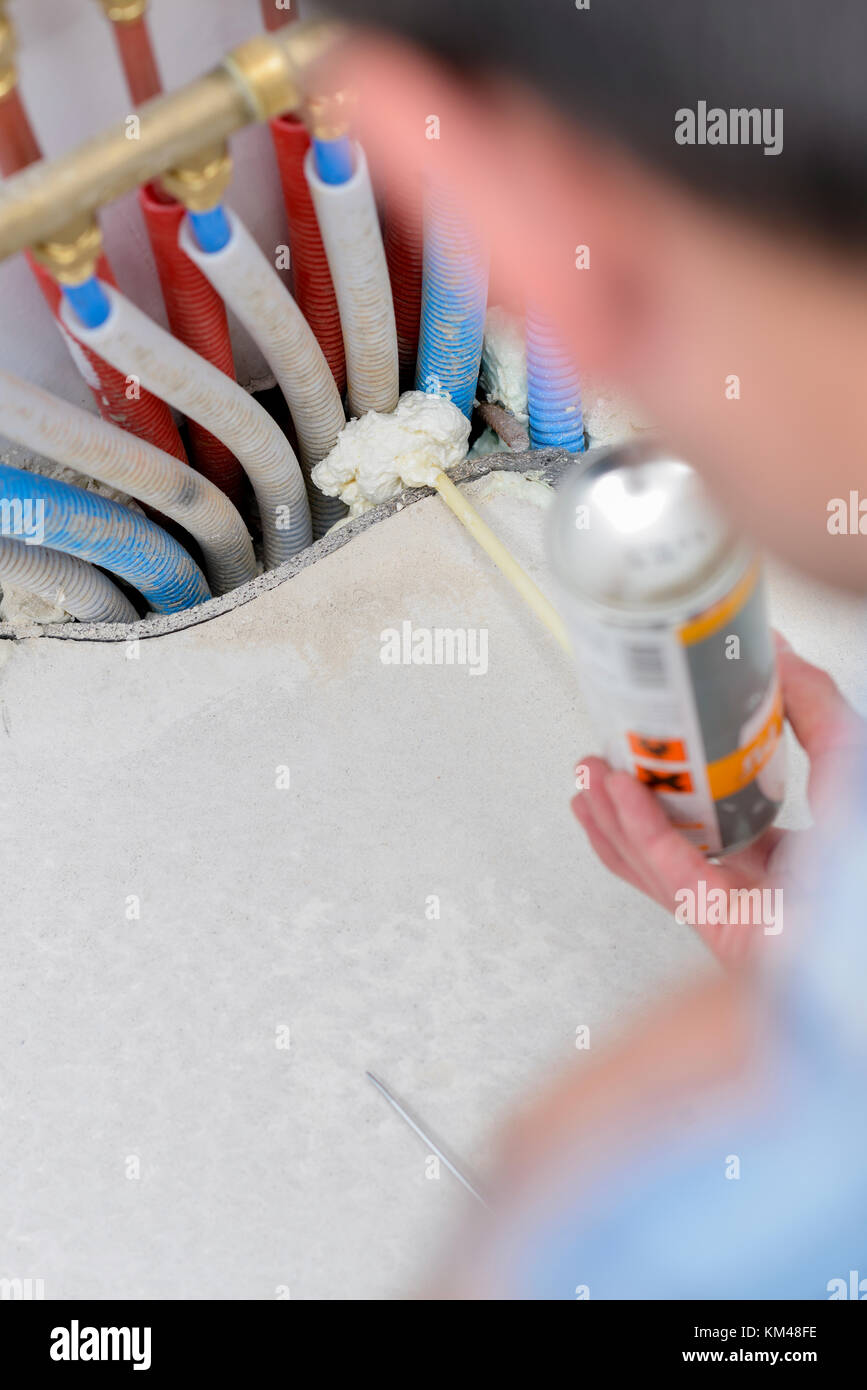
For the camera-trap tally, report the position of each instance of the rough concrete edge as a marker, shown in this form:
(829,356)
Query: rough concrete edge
(546,464)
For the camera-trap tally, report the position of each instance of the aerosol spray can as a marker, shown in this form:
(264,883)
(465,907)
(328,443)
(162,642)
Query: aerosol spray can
(666,610)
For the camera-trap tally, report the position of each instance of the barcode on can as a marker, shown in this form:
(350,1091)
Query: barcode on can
(645,664)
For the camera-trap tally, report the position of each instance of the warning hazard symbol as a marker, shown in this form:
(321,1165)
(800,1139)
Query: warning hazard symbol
(659,781)
(665,750)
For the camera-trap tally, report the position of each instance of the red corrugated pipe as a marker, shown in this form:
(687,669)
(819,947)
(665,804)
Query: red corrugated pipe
(142,414)
(122,402)
(404,245)
(195,311)
(312,285)
(197,316)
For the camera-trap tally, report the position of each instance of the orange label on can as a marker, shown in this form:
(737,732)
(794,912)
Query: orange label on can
(664,750)
(660,781)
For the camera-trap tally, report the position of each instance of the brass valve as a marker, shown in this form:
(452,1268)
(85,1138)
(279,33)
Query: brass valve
(72,253)
(202,180)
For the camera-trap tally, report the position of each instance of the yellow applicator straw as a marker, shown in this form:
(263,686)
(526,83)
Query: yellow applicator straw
(502,558)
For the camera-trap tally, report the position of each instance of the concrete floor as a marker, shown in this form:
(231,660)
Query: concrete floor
(155,1138)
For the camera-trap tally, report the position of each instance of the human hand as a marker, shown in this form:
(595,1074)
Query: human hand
(630,832)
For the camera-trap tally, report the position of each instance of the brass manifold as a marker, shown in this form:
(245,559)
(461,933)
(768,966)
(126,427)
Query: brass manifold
(8,53)
(51,206)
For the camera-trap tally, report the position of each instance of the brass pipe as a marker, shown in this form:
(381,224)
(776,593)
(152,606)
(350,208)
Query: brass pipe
(72,253)
(201,182)
(8,53)
(264,77)
(124,11)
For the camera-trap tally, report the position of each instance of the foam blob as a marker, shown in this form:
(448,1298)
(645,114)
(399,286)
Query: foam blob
(378,455)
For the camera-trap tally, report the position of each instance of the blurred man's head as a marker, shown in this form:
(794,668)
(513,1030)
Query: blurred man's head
(724,285)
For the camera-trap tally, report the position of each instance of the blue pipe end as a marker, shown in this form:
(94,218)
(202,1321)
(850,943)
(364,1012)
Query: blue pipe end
(335,159)
(553,391)
(89,301)
(211,229)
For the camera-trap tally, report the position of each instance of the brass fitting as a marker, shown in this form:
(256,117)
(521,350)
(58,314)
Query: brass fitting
(327,117)
(273,69)
(265,77)
(124,11)
(72,253)
(263,71)
(8,54)
(200,182)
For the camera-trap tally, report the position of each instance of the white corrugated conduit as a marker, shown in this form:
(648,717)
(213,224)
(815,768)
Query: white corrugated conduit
(139,348)
(352,238)
(74,437)
(72,584)
(253,290)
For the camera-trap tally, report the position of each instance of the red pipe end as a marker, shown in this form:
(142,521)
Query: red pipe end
(313,286)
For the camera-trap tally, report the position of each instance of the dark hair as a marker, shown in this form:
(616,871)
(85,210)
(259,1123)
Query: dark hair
(625,67)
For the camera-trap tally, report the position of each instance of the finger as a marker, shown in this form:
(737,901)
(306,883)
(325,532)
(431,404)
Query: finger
(594,798)
(604,816)
(671,860)
(603,847)
(750,862)
(824,722)
(593,773)
(673,863)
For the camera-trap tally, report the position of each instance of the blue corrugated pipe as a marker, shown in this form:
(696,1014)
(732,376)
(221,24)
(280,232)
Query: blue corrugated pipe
(453,303)
(553,391)
(46,511)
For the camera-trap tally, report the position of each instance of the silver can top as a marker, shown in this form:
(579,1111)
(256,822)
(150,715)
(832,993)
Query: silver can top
(634,528)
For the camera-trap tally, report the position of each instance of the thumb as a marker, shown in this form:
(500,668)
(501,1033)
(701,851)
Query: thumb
(824,723)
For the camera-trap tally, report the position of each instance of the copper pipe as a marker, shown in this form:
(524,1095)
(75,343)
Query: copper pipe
(504,424)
